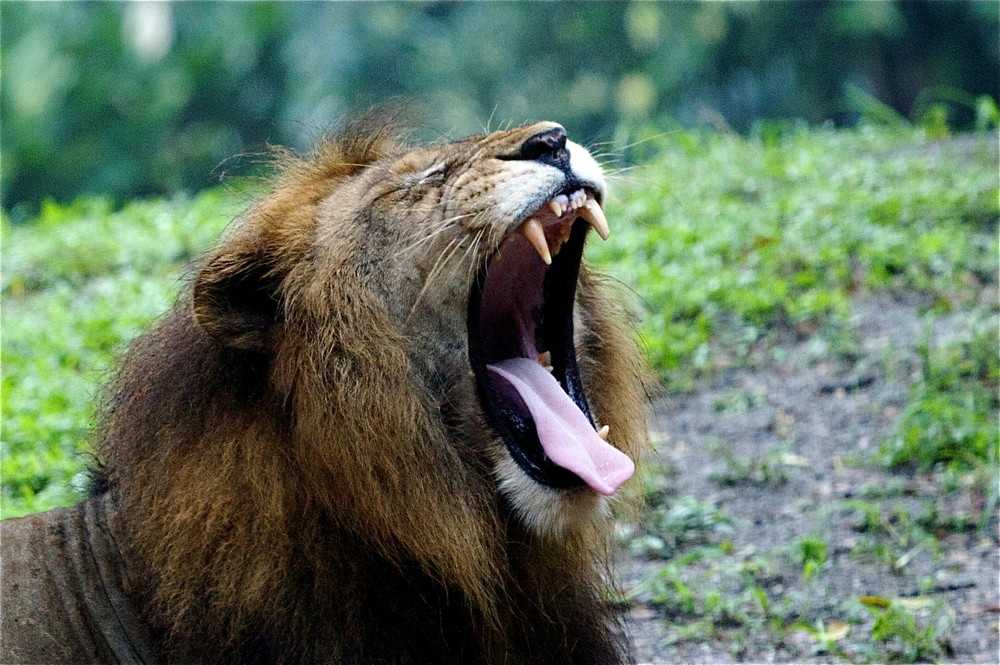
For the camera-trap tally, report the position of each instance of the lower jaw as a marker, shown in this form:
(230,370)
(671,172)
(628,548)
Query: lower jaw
(548,512)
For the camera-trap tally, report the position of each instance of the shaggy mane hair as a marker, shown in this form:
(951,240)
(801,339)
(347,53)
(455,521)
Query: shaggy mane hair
(275,489)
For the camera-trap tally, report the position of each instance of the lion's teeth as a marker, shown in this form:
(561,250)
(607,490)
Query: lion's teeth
(559,205)
(565,230)
(532,230)
(545,359)
(603,432)
(591,211)
(577,199)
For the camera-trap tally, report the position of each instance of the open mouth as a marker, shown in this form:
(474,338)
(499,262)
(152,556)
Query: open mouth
(522,352)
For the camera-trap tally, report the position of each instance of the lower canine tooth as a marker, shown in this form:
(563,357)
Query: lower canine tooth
(603,432)
(591,211)
(532,230)
(565,231)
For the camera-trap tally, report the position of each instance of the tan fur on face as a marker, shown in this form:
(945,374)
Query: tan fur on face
(310,406)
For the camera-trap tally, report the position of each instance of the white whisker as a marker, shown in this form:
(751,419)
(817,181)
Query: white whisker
(438,266)
(437,228)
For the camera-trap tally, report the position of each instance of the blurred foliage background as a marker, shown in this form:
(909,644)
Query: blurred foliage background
(145,98)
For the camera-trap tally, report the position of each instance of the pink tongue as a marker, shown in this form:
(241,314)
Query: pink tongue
(566,435)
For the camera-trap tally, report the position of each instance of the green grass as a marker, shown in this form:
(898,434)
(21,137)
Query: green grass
(79,282)
(952,416)
(728,242)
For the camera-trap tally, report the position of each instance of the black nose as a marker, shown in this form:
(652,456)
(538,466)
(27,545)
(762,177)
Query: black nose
(548,146)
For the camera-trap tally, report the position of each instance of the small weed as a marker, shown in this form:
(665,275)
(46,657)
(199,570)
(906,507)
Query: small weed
(897,526)
(771,470)
(940,523)
(889,488)
(827,636)
(951,418)
(812,556)
(739,401)
(904,637)
(871,516)
(872,552)
(669,589)
(656,486)
(684,523)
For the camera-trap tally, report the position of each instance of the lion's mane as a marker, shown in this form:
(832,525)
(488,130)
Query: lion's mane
(291,493)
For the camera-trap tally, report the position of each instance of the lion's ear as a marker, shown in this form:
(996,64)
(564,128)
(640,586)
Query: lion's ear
(237,301)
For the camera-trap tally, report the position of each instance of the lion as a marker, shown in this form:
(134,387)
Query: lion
(384,424)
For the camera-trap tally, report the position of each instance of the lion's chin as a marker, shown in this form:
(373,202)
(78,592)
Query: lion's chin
(549,512)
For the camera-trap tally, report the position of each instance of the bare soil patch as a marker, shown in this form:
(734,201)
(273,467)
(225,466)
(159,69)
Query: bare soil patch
(773,465)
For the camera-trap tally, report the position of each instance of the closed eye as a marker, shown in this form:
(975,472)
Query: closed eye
(434,176)
(440,169)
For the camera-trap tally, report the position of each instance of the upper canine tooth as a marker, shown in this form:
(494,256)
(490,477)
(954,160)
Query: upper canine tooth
(591,211)
(532,230)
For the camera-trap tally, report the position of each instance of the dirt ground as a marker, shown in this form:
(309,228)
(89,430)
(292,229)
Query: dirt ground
(780,453)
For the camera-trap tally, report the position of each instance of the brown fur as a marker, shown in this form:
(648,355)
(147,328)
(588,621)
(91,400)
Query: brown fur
(296,451)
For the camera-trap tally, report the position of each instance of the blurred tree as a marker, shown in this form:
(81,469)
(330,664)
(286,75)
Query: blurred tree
(144,98)
(132,99)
